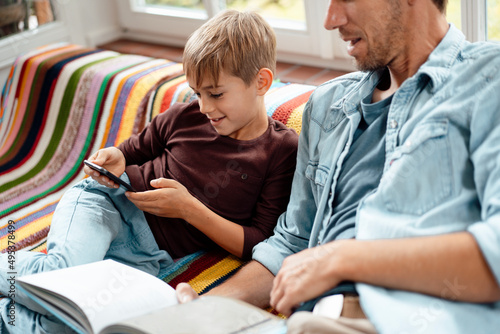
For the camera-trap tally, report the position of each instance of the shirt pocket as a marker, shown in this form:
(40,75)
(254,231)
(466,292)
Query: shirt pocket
(318,176)
(419,177)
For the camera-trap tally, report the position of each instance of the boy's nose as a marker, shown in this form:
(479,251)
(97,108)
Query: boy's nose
(205,107)
(335,16)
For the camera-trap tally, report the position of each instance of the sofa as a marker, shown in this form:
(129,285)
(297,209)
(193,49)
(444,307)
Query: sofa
(62,102)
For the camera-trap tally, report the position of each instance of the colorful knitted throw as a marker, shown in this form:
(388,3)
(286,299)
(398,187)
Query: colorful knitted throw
(63,102)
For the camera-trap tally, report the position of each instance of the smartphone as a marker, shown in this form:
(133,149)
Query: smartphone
(111,176)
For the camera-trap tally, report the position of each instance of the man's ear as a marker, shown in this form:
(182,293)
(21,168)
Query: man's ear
(264,80)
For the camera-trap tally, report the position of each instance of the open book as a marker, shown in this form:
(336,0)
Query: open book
(110,297)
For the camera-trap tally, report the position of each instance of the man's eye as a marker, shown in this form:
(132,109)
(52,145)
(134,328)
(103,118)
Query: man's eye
(216,96)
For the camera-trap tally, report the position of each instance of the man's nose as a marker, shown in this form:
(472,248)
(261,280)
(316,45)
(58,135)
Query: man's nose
(335,16)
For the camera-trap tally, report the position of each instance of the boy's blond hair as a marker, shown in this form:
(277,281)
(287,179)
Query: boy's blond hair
(239,43)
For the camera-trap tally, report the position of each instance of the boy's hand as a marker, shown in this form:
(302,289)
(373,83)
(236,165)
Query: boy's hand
(171,199)
(109,158)
(185,293)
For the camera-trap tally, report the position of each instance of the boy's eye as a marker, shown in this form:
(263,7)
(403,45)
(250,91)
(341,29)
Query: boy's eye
(216,96)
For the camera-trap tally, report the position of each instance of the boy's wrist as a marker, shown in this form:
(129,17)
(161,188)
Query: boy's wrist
(193,211)
(121,155)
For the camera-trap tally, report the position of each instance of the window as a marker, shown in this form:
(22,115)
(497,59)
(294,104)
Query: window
(453,13)
(281,13)
(298,25)
(53,22)
(17,16)
(493,18)
(284,14)
(478,19)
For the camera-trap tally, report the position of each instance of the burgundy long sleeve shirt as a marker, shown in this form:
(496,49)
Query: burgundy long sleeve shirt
(246,182)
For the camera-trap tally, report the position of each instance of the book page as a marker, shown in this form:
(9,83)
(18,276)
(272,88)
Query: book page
(206,315)
(106,291)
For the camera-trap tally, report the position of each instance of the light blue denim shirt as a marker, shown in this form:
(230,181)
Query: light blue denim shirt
(441,175)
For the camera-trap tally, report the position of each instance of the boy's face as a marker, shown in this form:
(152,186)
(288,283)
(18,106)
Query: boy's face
(233,108)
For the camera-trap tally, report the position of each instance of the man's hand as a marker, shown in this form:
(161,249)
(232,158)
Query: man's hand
(304,276)
(109,158)
(449,266)
(185,293)
(170,199)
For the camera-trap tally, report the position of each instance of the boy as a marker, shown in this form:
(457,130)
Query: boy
(213,173)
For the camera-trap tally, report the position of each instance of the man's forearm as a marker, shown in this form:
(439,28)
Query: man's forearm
(252,284)
(448,266)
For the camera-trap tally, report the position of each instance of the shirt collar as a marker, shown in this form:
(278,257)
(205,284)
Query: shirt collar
(368,82)
(436,69)
(443,57)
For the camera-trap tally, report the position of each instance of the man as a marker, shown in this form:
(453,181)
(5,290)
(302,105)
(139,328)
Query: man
(408,151)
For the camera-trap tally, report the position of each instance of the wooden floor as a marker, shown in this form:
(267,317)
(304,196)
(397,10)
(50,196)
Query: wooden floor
(285,72)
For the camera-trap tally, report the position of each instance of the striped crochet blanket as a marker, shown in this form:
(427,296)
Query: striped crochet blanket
(63,102)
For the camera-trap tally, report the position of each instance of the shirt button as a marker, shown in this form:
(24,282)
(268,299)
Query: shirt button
(393,124)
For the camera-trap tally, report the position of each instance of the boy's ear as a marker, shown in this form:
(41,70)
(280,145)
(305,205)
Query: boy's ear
(264,80)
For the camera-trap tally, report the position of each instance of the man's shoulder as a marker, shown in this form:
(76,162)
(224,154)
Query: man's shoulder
(482,50)
(339,87)
(328,98)
(345,80)
(478,66)
(480,57)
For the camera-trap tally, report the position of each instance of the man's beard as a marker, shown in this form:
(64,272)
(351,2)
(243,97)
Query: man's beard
(381,52)
(372,62)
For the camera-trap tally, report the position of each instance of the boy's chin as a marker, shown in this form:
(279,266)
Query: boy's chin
(221,132)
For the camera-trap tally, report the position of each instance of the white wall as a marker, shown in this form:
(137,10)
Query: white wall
(84,22)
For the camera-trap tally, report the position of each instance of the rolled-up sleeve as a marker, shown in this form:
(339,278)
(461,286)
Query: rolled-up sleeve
(485,155)
(487,236)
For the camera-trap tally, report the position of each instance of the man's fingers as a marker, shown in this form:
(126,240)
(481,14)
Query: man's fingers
(283,302)
(185,293)
(277,290)
(287,288)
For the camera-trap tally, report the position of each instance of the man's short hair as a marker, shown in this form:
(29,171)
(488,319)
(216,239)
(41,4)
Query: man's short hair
(441,5)
(239,43)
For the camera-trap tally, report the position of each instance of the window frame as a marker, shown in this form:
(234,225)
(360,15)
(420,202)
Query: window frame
(474,20)
(313,46)
(60,30)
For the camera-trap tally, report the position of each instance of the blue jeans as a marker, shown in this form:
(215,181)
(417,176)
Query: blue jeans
(91,223)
